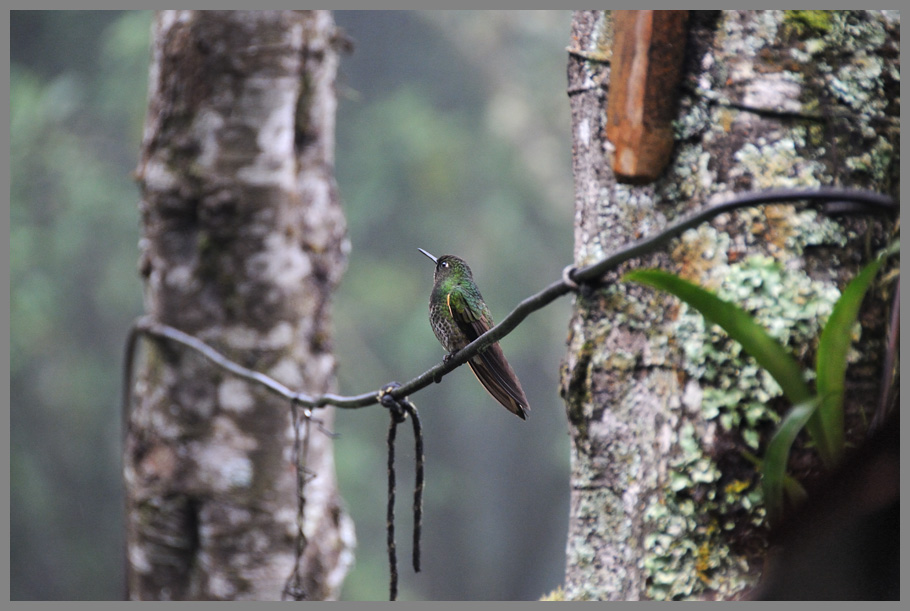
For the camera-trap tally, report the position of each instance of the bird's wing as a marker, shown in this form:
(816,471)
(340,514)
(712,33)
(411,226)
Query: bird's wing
(490,366)
(469,319)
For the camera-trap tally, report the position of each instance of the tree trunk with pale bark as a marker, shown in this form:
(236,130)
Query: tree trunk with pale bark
(662,406)
(243,241)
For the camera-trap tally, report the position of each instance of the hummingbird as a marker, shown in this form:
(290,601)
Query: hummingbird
(458,316)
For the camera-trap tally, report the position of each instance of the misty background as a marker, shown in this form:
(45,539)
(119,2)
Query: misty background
(453,135)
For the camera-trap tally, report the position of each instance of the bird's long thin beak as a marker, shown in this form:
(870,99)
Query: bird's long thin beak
(427,254)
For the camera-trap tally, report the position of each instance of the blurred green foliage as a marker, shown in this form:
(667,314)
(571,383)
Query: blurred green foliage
(77,83)
(453,135)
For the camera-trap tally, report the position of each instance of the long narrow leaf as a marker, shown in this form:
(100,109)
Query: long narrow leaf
(774,465)
(831,363)
(738,324)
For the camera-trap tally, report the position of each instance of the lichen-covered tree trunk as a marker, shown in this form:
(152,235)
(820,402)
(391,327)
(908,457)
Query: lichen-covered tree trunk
(243,241)
(664,505)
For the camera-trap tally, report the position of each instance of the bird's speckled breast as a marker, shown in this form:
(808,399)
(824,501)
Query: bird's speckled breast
(445,329)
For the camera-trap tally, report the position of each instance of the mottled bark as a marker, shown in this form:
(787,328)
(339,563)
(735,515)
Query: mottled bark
(243,241)
(661,408)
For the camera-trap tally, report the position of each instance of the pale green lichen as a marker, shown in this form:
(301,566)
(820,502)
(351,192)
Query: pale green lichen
(690,169)
(855,30)
(600,509)
(687,552)
(749,41)
(876,161)
(809,228)
(787,304)
(846,60)
(778,163)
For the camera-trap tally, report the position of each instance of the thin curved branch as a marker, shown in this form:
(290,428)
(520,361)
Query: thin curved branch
(829,200)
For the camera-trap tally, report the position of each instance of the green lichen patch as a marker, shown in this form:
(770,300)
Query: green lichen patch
(788,304)
(687,550)
(556,595)
(808,23)
(846,61)
(778,162)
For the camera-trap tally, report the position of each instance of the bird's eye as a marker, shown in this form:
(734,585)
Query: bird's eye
(444,264)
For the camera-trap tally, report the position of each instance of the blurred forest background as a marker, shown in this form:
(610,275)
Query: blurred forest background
(453,136)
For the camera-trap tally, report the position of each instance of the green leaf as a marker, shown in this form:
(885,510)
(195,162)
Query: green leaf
(738,324)
(827,427)
(774,465)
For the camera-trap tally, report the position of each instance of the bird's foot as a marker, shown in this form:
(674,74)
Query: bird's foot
(438,377)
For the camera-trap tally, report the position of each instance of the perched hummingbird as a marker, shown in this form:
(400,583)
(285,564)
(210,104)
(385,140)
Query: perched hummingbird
(458,316)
